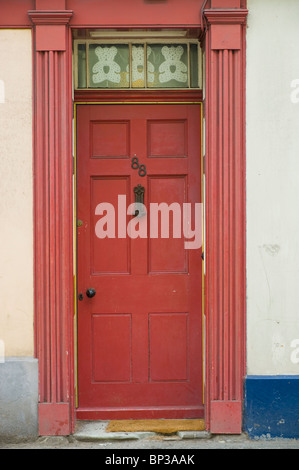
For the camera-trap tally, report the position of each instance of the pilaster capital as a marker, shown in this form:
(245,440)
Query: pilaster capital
(50,28)
(226,16)
(225,26)
(50,17)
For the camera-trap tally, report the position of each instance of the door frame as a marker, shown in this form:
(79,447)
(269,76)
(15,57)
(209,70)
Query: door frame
(223,38)
(124,98)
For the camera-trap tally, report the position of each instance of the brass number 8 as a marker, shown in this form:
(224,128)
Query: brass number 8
(135,165)
(142,170)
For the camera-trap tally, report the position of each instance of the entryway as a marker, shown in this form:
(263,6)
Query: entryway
(139,288)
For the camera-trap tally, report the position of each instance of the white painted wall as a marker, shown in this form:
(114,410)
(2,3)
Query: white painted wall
(16,195)
(272,187)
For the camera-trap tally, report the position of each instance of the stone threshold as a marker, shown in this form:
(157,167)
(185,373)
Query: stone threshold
(97,431)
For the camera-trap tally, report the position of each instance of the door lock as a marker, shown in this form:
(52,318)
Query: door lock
(90,293)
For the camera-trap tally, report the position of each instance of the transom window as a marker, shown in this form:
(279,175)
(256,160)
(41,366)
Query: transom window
(137,64)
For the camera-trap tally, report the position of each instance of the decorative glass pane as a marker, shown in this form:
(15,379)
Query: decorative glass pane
(167,65)
(108,66)
(194,65)
(138,66)
(82,83)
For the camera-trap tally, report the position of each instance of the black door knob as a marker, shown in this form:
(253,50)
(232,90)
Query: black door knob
(90,293)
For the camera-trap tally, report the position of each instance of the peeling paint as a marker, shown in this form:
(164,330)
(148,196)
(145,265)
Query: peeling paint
(272,250)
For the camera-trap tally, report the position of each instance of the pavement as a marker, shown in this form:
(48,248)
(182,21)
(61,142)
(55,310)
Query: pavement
(93,435)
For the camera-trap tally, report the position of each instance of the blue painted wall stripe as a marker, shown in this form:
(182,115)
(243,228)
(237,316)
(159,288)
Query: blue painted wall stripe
(271,406)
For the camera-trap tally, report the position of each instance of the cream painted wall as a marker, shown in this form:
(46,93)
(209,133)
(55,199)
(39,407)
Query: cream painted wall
(272,187)
(16,198)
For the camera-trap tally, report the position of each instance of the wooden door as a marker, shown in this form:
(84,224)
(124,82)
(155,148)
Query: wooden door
(140,335)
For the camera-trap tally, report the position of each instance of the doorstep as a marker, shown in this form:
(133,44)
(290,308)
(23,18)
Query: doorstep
(99,431)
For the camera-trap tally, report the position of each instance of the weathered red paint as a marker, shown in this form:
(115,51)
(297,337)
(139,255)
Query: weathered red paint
(50,31)
(222,25)
(136,13)
(112,96)
(53,221)
(225,219)
(140,336)
(54,419)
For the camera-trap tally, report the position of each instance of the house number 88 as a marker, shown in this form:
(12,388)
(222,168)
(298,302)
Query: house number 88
(135,165)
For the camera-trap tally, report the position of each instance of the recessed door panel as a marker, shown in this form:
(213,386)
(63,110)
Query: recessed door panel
(166,242)
(111,337)
(109,252)
(167,138)
(103,143)
(169,354)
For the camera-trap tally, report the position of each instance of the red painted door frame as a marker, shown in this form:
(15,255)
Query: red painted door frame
(223,23)
(53,220)
(225,220)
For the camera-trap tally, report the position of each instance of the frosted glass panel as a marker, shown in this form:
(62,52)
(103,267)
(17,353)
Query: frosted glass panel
(82,82)
(194,65)
(138,66)
(108,66)
(167,65)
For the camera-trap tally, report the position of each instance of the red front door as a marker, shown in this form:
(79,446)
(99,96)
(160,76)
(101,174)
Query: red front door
(140,334)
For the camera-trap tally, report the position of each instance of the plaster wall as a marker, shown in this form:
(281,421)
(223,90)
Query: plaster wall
(16,194)
(272,103)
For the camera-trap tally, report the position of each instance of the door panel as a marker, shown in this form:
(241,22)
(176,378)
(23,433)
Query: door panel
(140,336)
(104,261)
(167,254)
(167,138)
